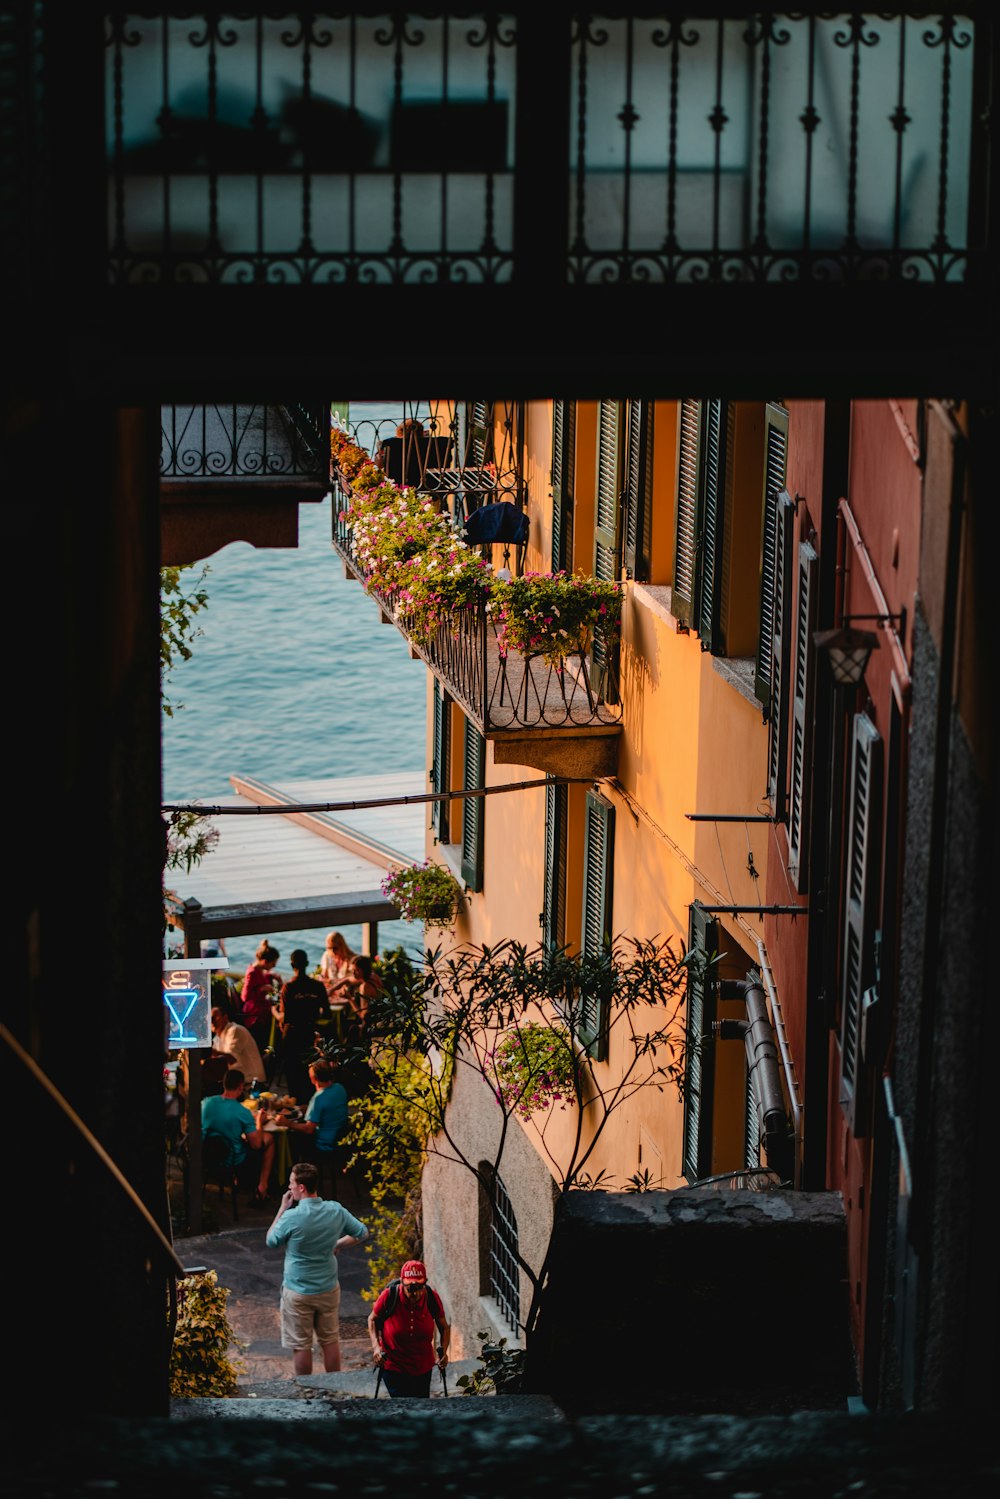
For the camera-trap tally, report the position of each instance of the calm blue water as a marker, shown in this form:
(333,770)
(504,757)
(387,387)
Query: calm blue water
(293,676)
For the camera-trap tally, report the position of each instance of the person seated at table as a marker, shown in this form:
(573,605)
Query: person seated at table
(258,993)
(303,1000)
(235,1042)
(366,987)
(335,968)
(325,1122)
(228,1117)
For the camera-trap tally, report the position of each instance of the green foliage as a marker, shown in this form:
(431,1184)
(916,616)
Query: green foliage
(179,604)
(189,839)
(200,1361)
(425,892)
(554,615)
(533,1066)
(502,1371)
(390,1123)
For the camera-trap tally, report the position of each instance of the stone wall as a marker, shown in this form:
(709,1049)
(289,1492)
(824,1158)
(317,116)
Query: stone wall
(695,1300)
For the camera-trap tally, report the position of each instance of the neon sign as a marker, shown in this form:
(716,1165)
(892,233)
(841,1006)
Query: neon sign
(187,998)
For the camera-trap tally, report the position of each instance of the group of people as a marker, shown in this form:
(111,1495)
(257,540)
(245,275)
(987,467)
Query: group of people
(406,1321)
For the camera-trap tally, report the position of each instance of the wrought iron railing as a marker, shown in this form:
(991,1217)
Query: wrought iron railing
(734,144)
(245,442)
(497,691)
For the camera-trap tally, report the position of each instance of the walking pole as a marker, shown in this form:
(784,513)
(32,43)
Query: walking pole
(378,1378)
(444,1380)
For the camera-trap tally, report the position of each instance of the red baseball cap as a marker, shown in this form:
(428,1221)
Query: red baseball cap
(413,1270)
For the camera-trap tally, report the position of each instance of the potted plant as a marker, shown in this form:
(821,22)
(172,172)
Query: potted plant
(533,1068)
(553,615)
(425,892)
(438,585)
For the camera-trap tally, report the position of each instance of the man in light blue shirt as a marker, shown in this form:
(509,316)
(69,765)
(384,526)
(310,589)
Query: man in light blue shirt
(313,1235)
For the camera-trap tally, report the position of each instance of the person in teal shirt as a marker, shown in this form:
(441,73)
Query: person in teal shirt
(312,1235)
(227,1117)
(325,1122)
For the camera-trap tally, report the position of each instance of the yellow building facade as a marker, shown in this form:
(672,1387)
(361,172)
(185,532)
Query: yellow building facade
(620,489)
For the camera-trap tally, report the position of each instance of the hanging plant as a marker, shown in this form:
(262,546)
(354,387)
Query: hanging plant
(425,892)
(554,615)
(533,1067)
(200,1358)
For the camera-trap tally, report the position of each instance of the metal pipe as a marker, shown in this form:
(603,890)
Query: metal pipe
(791,1082)
(762,1060)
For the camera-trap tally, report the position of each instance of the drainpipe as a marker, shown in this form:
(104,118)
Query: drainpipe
(762,1061)
(791,1082)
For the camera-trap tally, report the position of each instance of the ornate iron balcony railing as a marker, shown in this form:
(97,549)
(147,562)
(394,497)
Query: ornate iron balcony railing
(246,443)
(734,143)
(497,691)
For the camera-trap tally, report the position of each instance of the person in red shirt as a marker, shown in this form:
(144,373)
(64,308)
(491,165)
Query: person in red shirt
(259,994)
(403,1338)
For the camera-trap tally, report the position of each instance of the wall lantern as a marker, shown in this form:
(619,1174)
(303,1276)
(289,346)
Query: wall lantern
(847,651)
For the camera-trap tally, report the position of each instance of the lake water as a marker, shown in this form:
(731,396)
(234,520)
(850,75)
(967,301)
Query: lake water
(293,676)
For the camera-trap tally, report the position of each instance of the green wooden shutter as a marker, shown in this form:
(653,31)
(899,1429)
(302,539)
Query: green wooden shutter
(802,718)
(479,433)
(685,536)
(751,1130)
(563,454)
(696,1151)
(711,522)
(473,807)
(607,532)
(598,868)
(440,778)
(860,907)
(779,651)
(638,489)
(775,455)
(554,888)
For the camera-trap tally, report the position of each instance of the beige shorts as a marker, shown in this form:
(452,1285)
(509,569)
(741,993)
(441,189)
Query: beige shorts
(302,1316)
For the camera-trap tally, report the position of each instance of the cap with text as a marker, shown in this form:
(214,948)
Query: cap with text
(413,1270)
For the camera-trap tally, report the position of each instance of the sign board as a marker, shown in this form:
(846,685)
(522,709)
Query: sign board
(187,999)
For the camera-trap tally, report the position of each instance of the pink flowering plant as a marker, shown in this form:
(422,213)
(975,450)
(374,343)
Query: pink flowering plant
(555,615)
(425,892)
(533,1068)
(437,586)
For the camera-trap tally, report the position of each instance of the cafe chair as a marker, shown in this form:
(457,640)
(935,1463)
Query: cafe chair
(217,1167)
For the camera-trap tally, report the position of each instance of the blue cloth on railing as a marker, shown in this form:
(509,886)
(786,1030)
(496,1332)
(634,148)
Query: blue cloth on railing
(500,522)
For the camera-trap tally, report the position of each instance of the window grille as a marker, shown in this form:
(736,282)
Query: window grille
(505,1272)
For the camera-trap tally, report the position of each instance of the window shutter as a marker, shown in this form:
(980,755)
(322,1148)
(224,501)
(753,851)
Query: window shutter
(779,651)
(751,1136)
(637,521)
(607,528)
(802,713)
(554,891)
(860,896)
(563,450)
(598,867)
(607,539)
(473,807)
(440,780)
(775,455)
(703,937)
(479,433)
(710,523)
(688,450)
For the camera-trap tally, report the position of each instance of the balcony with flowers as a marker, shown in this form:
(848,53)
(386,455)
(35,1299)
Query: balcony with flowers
(532,659)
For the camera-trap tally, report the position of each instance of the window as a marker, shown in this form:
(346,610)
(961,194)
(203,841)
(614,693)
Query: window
(703,938)
(802,717)
(774,656)
(553,920)
(702,458)
(637,522)
(504,1270)
(563,456)
(775,502)
(864,813)
(473,807)
(598,868)
(440,767)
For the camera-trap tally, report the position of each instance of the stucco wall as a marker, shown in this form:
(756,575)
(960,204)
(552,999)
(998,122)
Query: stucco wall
(452,1211)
